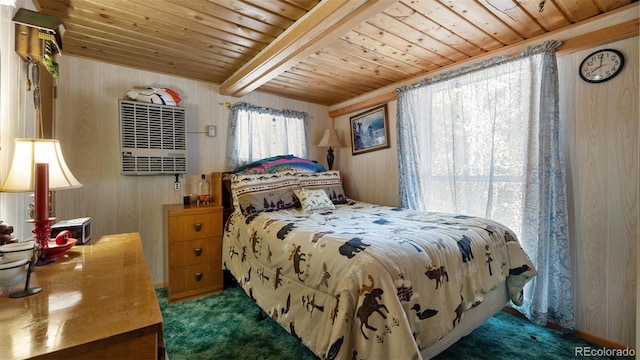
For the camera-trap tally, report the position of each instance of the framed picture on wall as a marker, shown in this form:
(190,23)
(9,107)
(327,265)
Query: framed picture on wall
(370,130)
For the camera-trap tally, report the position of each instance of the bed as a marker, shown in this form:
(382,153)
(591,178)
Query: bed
(356,280)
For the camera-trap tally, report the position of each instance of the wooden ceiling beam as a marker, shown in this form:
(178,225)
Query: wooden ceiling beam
(325,23)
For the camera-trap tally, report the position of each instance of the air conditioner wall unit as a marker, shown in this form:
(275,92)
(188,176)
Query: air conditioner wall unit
(152,138)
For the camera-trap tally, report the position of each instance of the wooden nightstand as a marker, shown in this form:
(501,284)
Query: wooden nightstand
(194,241)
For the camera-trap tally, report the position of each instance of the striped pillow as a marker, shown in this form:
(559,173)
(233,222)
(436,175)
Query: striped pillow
(280,163)
(329,181)
(254,193)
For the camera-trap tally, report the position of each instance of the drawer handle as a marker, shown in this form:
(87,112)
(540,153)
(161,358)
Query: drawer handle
(197,226)
(198,276)
(197,251)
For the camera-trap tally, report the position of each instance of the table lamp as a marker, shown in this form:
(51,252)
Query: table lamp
(330,139)
(38,166)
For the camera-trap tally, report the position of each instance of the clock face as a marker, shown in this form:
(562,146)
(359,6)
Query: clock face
(601,66)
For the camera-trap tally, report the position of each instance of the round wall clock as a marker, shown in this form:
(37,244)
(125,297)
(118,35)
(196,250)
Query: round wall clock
(601,66)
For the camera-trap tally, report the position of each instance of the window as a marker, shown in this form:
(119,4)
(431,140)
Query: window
(256,133)
(472,132)
(477,147)
(486,140)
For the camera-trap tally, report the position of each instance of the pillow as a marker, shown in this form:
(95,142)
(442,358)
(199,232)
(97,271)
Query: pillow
(329,181)
(254,193)
(279,163)
(313,199)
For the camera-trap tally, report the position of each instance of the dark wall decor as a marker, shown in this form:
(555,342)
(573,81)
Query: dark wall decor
(370,130)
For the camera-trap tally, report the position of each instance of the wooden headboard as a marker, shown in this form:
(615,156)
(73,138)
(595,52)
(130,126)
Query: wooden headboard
(221,191)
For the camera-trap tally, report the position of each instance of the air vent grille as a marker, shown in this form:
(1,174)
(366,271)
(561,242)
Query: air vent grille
(152,138)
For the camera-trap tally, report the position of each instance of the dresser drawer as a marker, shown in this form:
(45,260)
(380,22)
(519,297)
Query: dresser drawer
(195,279)
(193,238)
(189,252)
(195,226)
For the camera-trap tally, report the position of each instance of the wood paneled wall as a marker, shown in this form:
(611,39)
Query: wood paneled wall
(602,146)
(87,125)
(601,129)
(370,176)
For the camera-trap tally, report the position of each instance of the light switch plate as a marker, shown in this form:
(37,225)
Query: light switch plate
(211,130)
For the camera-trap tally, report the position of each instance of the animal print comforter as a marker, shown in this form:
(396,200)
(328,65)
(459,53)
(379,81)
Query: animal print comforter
(371,282)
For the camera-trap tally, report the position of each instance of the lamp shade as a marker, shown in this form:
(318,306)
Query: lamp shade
(330,139)
(28,152)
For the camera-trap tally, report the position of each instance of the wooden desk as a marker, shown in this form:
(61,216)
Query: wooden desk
(97,302)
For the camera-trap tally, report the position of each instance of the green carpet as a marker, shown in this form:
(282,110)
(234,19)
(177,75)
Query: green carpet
(226,326)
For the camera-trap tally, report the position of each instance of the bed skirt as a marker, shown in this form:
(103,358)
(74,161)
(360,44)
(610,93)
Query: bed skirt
(494,301)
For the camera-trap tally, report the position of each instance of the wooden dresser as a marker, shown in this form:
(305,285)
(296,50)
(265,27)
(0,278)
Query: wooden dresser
(97,302)
(194,244)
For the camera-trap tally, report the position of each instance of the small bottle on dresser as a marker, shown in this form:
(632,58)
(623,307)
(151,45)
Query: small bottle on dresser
(203,189)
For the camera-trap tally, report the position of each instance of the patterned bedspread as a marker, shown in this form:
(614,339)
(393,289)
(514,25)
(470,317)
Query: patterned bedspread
(371,282)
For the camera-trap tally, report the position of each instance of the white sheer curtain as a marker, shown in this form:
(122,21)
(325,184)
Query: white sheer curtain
(485,141)
(472,142)
(257,132)
(17,115)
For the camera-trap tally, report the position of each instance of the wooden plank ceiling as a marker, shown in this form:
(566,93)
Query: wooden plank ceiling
(323,52)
